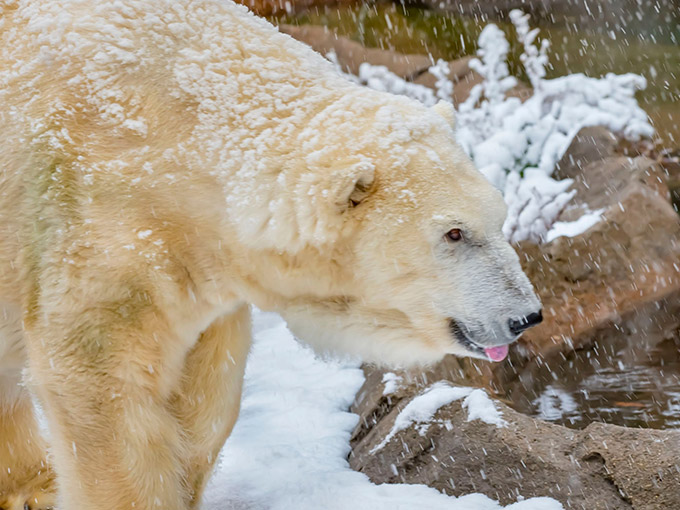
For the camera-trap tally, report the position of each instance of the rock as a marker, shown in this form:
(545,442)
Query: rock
(273,7)
(589,145)
(601,467)
(351,54)
(619,263)
(670,162)
(628,259)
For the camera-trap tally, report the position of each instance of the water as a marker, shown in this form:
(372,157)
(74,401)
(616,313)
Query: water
(638,44)
(635,387)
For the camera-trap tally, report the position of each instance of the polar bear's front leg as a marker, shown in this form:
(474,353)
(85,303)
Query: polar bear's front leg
(106,383)
(208,401)
(26,479)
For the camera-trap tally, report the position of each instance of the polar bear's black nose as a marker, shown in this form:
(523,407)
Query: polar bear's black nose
(519,325)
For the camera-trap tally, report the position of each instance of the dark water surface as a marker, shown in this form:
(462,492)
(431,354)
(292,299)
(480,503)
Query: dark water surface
(633,387)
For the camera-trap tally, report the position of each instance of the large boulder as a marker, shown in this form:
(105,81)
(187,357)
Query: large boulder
(627,260)
(591,144)
(670,162)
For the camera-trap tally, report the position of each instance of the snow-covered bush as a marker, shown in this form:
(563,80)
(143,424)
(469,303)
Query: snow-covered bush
(443,86)
(533,58)
(381,78)
(516,144)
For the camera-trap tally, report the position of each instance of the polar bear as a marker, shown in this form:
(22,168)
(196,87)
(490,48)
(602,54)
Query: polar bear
(164,165)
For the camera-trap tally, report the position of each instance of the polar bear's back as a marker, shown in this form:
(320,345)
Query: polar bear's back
(109,57)
(112,86)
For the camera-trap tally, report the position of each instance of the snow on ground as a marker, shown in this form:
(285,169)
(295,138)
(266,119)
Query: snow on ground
(480,407)
(289,448)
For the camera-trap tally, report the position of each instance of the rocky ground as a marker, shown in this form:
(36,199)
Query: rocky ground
(611,285)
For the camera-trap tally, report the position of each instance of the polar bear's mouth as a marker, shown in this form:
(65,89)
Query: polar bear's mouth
(460,333)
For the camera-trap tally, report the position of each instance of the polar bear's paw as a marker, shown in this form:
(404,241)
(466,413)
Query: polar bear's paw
(34,490)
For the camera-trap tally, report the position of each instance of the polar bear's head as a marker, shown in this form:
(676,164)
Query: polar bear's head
(419,267)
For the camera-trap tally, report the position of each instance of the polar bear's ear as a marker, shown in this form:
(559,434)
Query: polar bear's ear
(349,187)
(445,109)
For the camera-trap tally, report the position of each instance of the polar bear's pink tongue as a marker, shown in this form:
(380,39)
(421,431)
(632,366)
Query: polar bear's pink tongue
(497,353)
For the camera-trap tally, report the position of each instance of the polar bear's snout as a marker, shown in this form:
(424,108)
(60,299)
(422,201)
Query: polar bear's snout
(492,346)
(518,326)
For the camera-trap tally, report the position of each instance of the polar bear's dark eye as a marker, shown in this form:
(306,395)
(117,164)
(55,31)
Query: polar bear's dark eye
(455,234)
